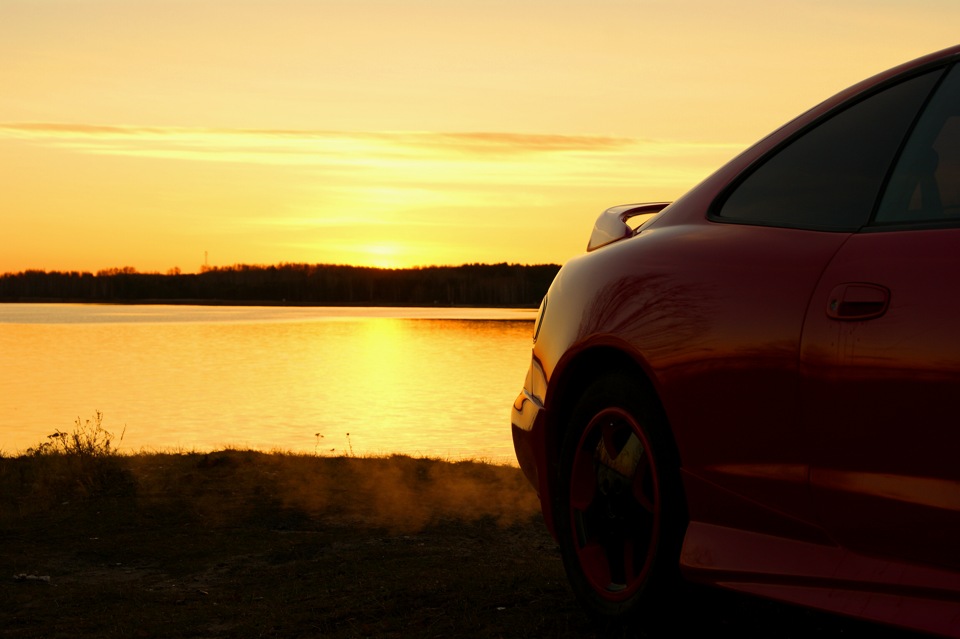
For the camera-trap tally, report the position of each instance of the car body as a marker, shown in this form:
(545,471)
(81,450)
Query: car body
(757,387)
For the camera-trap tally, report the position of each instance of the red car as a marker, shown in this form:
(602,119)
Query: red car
(758,385)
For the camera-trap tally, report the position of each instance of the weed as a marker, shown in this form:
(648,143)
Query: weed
(316,446)
(88,439)
(81,463)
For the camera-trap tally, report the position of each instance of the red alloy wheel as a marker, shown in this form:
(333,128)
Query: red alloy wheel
(614,504)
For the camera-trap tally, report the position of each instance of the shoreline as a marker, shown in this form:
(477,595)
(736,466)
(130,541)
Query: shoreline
(265,303)
(467,285)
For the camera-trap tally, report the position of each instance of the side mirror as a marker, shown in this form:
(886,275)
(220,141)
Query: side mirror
(612,225)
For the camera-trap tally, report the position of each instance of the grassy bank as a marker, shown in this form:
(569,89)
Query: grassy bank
(250,544)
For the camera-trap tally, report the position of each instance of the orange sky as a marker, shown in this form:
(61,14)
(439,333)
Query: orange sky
(145,133)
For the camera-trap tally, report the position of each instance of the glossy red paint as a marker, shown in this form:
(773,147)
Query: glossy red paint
(806,373)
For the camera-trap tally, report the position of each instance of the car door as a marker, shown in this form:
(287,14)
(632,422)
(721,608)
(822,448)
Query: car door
(818,189)
(880,359)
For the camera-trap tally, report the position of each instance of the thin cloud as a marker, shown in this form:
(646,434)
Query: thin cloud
(459,164)
(466,143)
(50,129)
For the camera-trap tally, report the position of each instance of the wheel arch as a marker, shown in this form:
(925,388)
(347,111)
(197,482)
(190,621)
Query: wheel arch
(572,375)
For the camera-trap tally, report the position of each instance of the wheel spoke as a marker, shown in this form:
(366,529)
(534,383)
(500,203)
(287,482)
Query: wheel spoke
(609,444)
(629,570)
(583,482)
(595,564)
(642,481)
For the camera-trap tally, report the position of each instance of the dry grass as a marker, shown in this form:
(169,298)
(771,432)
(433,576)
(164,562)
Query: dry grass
(243,543)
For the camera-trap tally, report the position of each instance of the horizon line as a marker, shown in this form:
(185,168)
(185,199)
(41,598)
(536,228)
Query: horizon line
(131,270)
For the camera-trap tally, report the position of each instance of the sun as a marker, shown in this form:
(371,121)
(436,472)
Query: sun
(383,255)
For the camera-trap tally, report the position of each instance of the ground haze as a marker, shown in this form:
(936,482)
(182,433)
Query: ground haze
(250,544)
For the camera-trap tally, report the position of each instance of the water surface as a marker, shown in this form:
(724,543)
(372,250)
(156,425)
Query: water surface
(435,382)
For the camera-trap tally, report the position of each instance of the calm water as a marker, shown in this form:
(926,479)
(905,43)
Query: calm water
(435,382)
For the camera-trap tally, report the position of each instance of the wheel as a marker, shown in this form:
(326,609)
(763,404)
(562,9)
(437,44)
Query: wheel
(619,503)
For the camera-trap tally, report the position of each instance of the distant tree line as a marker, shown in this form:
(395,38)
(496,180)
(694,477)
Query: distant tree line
(309,284)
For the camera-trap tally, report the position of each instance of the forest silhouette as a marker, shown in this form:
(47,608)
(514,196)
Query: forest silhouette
(496,285)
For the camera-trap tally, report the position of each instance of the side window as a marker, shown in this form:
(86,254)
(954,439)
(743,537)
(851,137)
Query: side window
(830,177)
(925,185)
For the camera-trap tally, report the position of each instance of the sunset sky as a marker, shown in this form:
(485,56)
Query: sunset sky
(148,133)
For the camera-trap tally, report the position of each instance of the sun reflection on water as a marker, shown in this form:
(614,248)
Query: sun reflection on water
(296,379)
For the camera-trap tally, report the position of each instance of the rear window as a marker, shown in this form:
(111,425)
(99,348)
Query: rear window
(925,185)
(830,177)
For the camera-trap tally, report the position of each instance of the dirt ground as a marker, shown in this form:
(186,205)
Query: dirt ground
(249,544)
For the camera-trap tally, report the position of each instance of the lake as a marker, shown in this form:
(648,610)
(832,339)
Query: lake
(436,382)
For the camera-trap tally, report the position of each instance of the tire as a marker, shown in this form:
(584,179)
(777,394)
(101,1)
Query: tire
(619,504)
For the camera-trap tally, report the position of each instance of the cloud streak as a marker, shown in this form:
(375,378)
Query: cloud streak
(466,167)
(468,143)
(220,144)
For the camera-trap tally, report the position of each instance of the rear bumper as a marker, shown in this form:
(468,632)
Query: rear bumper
(526,419)
(528,422)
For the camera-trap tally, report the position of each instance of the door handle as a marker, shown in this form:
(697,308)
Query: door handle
(858,301)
